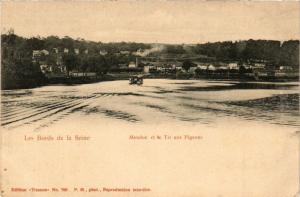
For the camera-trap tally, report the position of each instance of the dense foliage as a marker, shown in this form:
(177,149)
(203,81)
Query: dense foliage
(275,52)
(19,71)
(17,68)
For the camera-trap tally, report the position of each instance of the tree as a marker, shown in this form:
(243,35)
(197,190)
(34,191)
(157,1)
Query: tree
(289,53)
(20,73)
(175,49)
(17,68)
(70,61)
(35,43)
(187,64)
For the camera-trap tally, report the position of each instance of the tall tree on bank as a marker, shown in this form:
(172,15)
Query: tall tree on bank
(70,61)
(186,65)
(17,68)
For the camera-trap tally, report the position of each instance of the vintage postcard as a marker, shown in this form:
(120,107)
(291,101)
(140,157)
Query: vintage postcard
(150,98)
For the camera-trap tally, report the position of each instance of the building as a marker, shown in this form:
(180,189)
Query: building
(178,65)
(225,68)
(132,65)
(83,74)
(139,52)
(66,50)
(55,50)
(202,67)
(103,52)
(123,66)
(193,69)
(211,67)
(45,68)
(39,55)
(260,72)
(246,66)
(233,66)
(76,51)
(286,68)
(147,69)
(52,69)
(258,65)
(125,52)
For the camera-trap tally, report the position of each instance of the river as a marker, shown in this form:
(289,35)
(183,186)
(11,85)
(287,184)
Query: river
(156,101)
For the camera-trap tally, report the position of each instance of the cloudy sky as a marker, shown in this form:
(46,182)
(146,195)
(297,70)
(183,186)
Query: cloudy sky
(159,21)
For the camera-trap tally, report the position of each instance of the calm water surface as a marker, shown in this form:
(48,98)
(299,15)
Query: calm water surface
(156,101)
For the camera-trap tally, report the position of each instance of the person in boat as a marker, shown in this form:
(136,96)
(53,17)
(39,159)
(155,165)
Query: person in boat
(137,79)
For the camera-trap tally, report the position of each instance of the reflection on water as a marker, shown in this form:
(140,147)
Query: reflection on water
(284,103)
(113,114)
(198,102)
(234,86)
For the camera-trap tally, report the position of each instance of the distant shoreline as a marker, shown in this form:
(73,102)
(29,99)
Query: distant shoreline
(80,80)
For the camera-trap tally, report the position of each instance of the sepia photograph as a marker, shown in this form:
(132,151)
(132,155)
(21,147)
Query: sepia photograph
(150,98)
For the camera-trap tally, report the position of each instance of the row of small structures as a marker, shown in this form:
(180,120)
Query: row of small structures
(258,69)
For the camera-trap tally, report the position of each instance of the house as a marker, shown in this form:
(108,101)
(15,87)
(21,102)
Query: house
(159,67)
(153,66)
(285,68)
(139,52)
(223,67)
(176,65)
(123,66)
(132,65)
(211,67)
(66,50)
(76,51)
(233,66)
(45,68)
(55,50)
(38,53)
(45,52)
(246,66)
(148,66)
(284,71)
(83,74)
(178,68)
(202,67)
(62,68)
(103,52)
(193,69)
(147,69)
(125,52)
(258,65)
(259,71)
(59,60)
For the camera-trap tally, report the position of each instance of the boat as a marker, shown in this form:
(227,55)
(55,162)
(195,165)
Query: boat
(136,79)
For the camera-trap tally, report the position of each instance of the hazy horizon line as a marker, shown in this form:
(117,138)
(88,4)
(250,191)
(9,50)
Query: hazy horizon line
(145,42)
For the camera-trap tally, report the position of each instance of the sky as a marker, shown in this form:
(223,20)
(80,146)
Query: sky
(158,21)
